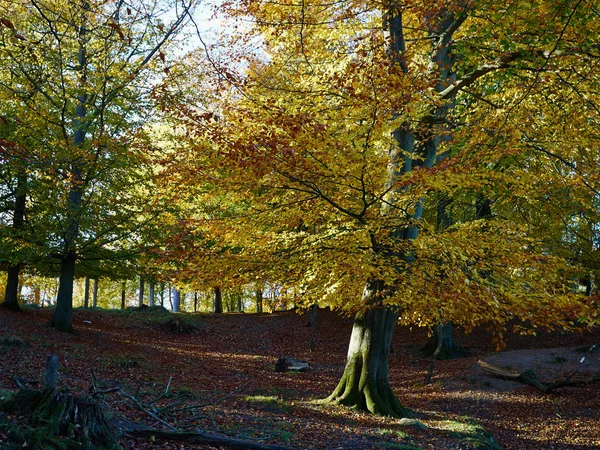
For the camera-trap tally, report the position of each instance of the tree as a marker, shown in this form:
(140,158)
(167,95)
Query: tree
(77,70)
(18,192)
(329,141)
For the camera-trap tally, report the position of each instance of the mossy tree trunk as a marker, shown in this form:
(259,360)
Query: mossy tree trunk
(364,384)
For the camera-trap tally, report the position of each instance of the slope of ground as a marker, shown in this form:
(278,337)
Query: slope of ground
(227,365)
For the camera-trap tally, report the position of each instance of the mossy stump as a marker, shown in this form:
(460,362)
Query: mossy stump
(59,419)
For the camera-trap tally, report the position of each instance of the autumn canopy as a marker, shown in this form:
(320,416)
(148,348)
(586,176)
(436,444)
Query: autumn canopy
(427,163)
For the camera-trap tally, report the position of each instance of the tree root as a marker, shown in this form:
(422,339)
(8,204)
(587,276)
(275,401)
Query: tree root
(375,400)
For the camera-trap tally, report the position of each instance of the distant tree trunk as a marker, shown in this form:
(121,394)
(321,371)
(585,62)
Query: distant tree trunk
(589,287)
(448,349)
(195,301)
(11,294)
(86,295)
(240,305)
(95,294)
(37,298)
(218,301)
(364,383)
(175,300)
(313,327)
(123,285)
(162,294)
(170,290)
(151,294)
(259,301)
(62,319)
(141,292)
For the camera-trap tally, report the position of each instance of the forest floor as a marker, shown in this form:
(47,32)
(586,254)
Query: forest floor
(226,369)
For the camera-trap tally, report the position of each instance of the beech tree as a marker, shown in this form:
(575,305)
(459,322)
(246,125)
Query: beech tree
(336,137)
(81,74)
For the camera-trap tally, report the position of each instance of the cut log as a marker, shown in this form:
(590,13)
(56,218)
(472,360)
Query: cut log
(288,364)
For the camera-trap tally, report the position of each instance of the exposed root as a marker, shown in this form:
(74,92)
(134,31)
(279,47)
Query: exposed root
(375,399)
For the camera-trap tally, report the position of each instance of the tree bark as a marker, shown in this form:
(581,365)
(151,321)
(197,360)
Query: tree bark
(151,294)
(176,305)
(141,292)
(364,384)
(95,294)
(218,301)
(86,295)
(195,301)
(62,320)
(313,327)
(447,350)
(240,305)
(259,301)
(11,295)
(123,294)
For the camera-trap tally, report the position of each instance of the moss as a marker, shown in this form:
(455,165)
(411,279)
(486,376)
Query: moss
(472,434)
(59,420)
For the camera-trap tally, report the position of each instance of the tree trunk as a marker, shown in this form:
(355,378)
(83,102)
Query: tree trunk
(162,294)
(218,301)
(151,294)
(448,349)
(11,295)
(123,295)
(364,384)
(141,292)
(95,294)
(240,306)
(175,300)
(63,314)
(62,320)
(259,301)
(195,301)
(313,327)
(86,295)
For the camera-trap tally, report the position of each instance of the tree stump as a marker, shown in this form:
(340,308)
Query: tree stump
(55,418)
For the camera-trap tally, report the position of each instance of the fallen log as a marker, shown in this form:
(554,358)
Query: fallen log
(203,438)
(530,378)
